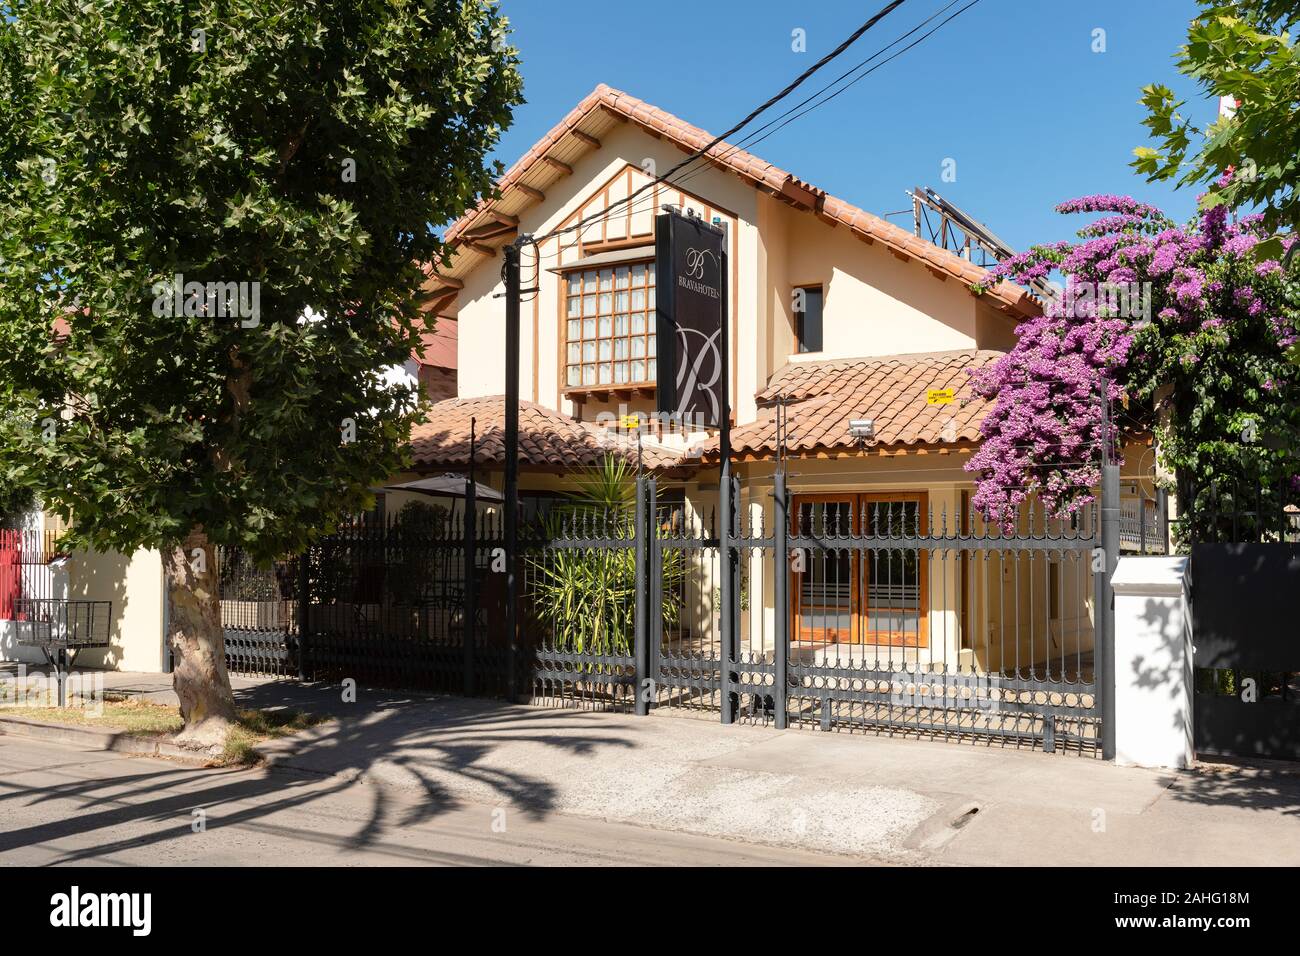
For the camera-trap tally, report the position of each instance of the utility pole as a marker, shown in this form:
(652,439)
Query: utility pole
(781,578)
(511,270)
(1104,654)
(727,505)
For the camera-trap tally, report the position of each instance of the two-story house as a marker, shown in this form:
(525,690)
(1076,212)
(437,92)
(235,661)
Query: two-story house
(833,312)
(834,315)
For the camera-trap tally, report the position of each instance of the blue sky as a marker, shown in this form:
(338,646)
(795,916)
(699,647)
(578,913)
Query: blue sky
(1011,90)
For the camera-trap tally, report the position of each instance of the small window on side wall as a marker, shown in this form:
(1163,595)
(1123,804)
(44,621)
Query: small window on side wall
(807,304)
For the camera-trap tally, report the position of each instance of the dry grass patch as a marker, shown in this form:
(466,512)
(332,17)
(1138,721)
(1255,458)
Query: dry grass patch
(142,718)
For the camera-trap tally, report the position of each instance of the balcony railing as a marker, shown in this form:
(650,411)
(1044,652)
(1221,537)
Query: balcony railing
(1140,526)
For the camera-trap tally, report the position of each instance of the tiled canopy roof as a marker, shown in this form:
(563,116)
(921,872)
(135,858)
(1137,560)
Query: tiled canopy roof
(547,439)
(822,397)
(573,136)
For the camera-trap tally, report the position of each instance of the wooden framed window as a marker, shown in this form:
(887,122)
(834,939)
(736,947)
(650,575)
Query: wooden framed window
(609,325)
(808,301)
(875,596)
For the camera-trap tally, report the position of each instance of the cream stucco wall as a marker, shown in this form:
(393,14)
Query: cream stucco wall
(481,339)
(134,586)
(876,304)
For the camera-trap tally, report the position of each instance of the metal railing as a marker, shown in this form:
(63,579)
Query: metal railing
(35,602)
(60,624)
(26,568)
(896,619)
(1144,524)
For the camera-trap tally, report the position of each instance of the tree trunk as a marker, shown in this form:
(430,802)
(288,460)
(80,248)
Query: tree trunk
(198,646)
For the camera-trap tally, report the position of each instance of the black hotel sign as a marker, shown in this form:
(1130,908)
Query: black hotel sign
(691,278)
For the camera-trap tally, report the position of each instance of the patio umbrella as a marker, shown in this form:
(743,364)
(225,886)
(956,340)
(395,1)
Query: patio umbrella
(449,486)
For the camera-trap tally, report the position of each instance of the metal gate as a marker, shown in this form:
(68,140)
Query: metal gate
(865,618)
(1244,572)
(881,614)
(1246,699)
(259,614)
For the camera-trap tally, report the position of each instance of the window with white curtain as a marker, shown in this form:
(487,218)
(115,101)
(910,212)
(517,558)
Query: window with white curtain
(609,320)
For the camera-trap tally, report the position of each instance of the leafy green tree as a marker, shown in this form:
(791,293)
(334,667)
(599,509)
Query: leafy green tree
(212,230)
(14,502)
(1243,49)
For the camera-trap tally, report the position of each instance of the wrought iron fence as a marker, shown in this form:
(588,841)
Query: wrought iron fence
(913,620)
(1258,504)
(259,614)
(848,614)
(1144,524)
(386,604)
(582,576)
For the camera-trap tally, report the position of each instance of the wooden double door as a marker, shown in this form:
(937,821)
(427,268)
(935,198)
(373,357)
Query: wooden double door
(873,596)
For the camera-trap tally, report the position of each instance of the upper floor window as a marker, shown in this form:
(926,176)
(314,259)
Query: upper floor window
(807,303)
(610,326)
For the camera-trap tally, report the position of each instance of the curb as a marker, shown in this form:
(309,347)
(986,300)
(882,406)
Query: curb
(91,739)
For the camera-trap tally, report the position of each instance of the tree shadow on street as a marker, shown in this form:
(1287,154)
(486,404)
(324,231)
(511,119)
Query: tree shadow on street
(432,748)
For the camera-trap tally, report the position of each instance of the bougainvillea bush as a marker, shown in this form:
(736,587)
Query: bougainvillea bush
(1181,330)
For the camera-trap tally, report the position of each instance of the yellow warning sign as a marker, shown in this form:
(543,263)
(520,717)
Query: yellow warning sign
(631,422)
(940,396)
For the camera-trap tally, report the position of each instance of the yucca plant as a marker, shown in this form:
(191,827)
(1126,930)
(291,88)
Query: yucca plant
(586,596)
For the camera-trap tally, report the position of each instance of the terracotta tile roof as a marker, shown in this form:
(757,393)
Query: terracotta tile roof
(757,172)
(440,344)
(821,398)
(547,438)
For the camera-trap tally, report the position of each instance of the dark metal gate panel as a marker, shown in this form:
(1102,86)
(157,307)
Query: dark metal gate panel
(1033,680)
(630,612)
(259,614)
(385,603)
(905,669)
(580,607)
(1245,602)
(684,622)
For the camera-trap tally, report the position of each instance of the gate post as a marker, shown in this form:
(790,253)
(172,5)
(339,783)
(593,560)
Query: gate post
(781,589)
(1153,726)
(645,601)
(469,601)
(1104,650)
(655,585)
(729,647)
(304,609)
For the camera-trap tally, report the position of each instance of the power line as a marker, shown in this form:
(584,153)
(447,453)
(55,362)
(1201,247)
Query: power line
(636,199)
(798,81)
(751,138)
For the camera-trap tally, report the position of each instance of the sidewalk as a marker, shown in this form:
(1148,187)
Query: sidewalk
(850,794)
(65,806)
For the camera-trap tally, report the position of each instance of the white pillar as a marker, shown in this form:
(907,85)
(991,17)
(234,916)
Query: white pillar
(1153,663)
